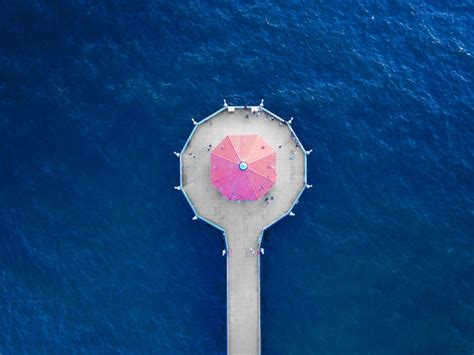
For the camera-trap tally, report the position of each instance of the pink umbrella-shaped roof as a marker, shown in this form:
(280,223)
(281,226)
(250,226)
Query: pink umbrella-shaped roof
(243,167)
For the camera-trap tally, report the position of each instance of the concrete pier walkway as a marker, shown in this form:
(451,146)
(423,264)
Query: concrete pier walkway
(243,292)
(242,221)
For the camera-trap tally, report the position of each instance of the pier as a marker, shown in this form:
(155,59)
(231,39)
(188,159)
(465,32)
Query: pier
(242,222)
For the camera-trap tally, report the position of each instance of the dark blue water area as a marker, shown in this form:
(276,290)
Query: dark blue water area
(98,252)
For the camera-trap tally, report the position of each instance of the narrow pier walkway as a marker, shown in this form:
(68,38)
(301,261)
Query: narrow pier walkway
(243,292)
(242,221)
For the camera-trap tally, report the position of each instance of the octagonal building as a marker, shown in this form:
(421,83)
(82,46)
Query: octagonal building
(243,167)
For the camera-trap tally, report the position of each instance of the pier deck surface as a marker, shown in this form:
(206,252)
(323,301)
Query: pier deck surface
(242,221)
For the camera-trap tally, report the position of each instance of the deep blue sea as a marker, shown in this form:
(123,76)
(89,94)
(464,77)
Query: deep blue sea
(98,252)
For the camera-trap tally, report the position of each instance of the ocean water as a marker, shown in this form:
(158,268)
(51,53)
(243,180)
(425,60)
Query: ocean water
(98,252)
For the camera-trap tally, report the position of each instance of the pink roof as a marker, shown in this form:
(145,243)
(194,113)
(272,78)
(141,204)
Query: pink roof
(243,167)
